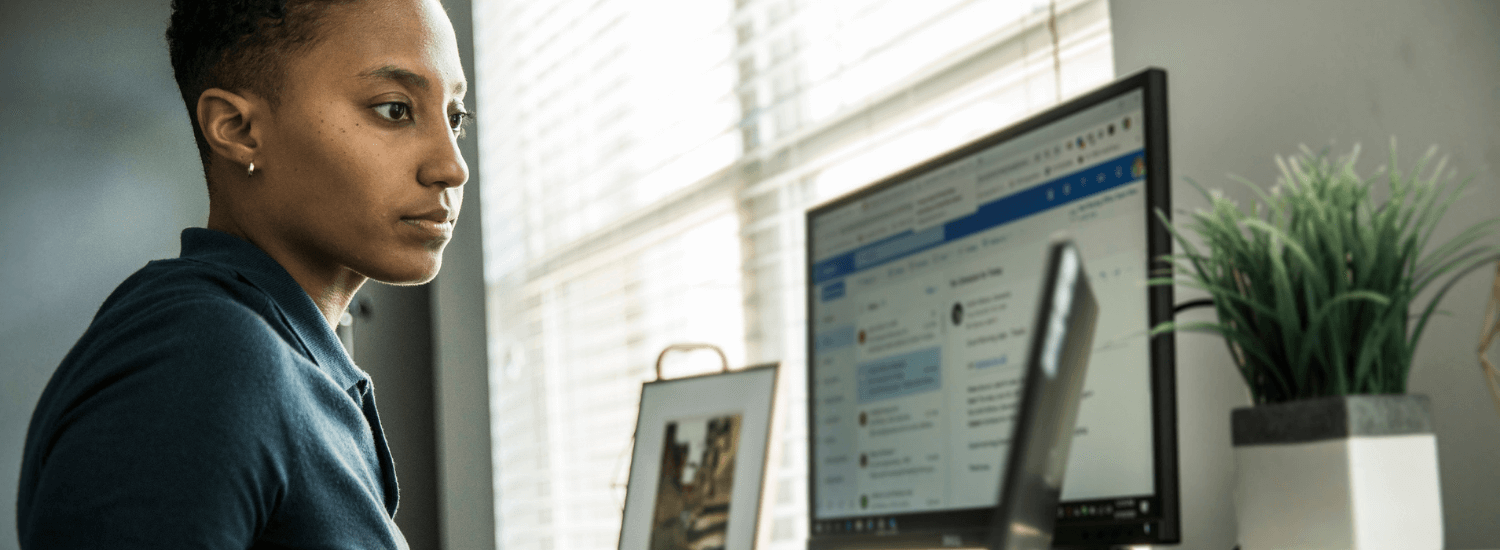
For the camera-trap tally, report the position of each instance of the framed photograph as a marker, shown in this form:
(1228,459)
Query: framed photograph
(699,459)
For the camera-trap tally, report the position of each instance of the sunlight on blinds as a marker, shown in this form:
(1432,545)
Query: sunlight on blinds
(606,106)
(567,394)
(649,163)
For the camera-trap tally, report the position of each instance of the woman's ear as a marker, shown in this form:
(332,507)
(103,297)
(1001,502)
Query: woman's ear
(227,121)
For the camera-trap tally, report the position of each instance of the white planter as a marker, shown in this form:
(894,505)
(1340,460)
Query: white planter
(1355,472)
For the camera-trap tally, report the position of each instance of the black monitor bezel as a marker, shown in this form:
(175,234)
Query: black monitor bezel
(1162,525)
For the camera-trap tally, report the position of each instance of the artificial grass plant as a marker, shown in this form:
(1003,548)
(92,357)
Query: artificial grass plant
(1314,285)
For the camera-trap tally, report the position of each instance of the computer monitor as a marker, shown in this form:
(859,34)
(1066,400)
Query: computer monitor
(921,291)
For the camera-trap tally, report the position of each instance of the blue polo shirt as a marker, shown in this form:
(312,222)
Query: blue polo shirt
(209,405)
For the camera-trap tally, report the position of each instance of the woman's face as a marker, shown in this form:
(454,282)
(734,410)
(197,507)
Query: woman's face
(358,168)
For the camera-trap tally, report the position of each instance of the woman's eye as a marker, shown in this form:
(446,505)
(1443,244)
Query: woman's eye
(458,120)
(393,111)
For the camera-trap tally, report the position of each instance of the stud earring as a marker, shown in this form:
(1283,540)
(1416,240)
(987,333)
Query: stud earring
(250,173)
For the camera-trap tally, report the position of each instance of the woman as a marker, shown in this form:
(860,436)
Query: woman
(209,404)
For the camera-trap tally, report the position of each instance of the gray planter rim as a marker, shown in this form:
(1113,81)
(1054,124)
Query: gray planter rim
(1328,418)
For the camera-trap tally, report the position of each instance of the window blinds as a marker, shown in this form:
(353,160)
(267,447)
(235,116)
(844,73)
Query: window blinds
(648,163)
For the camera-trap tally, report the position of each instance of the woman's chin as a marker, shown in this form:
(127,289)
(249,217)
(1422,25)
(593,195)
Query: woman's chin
(415,271)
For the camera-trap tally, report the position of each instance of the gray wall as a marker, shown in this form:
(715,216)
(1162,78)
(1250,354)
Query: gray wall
(98,175)
(1248,80)
(392,341)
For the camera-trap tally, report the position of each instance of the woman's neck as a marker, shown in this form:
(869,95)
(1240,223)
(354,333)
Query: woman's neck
(331,287)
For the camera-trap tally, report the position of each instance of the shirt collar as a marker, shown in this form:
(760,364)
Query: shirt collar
(296,308)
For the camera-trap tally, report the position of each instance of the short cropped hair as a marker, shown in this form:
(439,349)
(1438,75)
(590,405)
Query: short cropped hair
(238,45)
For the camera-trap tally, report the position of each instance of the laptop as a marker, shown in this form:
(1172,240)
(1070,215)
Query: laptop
(1062,339)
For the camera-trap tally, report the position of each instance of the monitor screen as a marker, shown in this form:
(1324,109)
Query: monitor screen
(921,293)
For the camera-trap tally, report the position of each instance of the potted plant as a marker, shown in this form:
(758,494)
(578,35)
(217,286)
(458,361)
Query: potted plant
(1313,287)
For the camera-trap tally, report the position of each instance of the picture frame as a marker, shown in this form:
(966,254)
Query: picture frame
(698,465)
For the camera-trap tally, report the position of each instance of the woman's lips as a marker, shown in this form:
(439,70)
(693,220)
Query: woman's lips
(430,225)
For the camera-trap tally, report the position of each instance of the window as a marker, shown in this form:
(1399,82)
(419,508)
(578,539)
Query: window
(647,166)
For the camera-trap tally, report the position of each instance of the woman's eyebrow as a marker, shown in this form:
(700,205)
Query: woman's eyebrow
(407,78)
(398,74)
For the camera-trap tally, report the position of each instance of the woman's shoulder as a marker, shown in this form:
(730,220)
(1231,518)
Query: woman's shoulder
(188,319)
(165,283)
